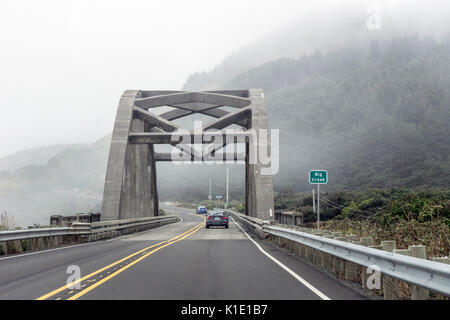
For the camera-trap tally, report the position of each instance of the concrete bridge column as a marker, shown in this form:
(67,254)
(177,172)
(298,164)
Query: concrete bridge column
(259,192)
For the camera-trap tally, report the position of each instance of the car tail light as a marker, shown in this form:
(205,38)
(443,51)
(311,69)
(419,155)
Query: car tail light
(209,217)
(224,218)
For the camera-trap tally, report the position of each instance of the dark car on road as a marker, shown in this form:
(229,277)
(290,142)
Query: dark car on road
(202,209)
(217,218)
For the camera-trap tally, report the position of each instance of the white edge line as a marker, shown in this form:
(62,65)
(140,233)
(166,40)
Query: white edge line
(287,269)
(83,244)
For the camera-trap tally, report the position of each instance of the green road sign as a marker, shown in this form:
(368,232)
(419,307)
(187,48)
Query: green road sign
(318,176)
(218,197)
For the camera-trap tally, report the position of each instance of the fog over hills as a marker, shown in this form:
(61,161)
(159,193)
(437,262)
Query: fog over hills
(35,156)
(70,181)
(327,29)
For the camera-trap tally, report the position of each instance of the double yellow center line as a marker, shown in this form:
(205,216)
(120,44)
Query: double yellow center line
(158,246)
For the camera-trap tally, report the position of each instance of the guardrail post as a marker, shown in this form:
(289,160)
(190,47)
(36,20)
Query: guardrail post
(295,248)
(301,250)
(56,241)
(400,285)
(338,263)
(17,246)
(314,256)
(352,271)
(308,253)
(367,242)
(336,234)
(340,268)
(290,245)
(28,243)
(325,261)
(441,259)
(3,248)
(279,241)
(390,287)
(320,258)
(40,243)
(284,242)
(418,293)
(327,258)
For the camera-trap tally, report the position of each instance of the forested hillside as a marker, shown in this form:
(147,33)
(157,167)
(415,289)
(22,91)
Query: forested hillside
(374,118)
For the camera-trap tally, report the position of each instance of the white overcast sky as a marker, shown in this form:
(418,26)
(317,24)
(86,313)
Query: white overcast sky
(64,64)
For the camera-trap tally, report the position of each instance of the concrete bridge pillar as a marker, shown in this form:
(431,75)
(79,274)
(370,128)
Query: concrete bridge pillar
(259,187)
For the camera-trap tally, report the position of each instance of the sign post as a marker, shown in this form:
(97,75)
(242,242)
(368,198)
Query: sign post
(218,197)
(318,177)
(210,196)
(226,201)
(314,200)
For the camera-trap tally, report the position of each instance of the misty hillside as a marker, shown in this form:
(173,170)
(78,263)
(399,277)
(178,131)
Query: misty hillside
(377,117)
(279,44)
(71,181)
(35,156)
(333,28)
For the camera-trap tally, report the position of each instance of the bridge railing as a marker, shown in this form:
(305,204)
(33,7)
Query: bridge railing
(12,235)
(325,251)
(251,221)
(17,241)
(105,229)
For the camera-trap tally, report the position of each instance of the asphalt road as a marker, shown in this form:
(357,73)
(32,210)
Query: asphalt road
(177,261)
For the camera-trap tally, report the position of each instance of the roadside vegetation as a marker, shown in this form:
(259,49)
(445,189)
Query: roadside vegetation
(6,221)
(408,217)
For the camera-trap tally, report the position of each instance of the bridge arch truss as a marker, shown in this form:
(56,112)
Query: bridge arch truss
(131,178)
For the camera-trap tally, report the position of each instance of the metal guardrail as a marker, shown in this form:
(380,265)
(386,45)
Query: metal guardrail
(254,222)
(129,223)
(424,273)
(82,228)
(12,235)
(421,272)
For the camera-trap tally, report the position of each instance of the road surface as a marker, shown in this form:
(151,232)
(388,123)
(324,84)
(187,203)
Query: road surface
(177,261)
